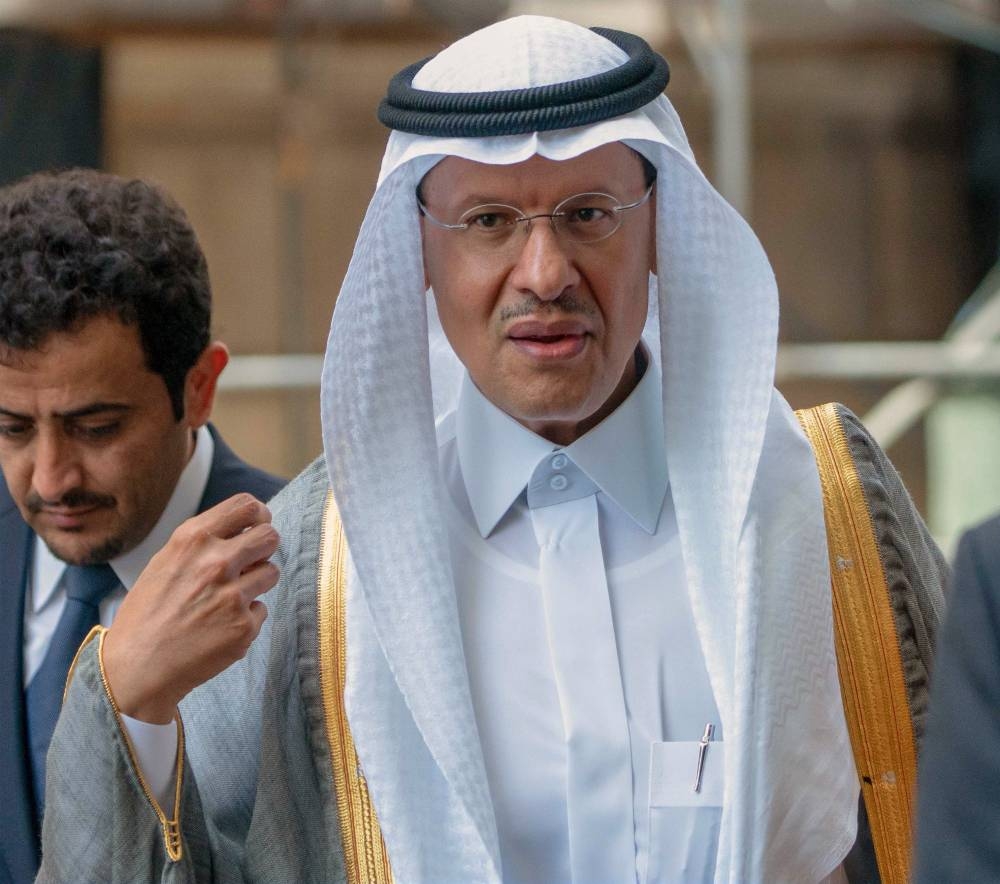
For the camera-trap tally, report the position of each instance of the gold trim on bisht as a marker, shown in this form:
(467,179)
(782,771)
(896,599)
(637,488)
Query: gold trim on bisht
(171,828)
(365,857)
(868,655)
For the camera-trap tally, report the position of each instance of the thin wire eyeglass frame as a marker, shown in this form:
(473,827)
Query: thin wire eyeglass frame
(558,230)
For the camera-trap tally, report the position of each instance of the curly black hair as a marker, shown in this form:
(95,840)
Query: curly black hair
(81,243)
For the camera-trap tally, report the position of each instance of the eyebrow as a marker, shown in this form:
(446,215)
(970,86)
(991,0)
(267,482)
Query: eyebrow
(468,202)
(482,199)
(84,411)
(486,198)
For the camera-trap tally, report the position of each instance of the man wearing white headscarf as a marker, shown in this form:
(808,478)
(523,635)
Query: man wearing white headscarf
(583,631)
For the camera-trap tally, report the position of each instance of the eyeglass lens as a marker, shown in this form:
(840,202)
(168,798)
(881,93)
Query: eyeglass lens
(586,217)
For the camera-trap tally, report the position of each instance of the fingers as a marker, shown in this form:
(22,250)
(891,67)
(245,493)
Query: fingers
(232,517)
(194,609)
(253,546)
(256,580)
(223,542)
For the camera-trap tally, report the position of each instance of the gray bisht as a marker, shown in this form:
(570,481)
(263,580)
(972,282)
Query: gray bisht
(258,802)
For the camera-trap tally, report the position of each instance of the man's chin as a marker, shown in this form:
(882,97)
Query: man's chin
(83,550)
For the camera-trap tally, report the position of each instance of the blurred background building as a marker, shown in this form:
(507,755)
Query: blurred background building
(861,138)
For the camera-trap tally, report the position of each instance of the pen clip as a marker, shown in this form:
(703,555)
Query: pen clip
(706,738)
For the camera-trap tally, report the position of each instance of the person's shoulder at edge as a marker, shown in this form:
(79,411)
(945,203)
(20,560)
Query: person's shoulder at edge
(981,544)
(957,820)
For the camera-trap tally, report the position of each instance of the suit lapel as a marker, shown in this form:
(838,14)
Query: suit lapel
(220,483)
(230,475)
(19,840)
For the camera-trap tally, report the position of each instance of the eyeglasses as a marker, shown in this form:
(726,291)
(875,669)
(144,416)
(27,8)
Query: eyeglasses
(583,218)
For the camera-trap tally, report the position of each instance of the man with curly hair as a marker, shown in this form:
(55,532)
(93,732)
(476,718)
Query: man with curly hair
(107,379)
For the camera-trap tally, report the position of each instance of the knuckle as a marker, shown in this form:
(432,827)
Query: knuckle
(191,535)
(231,601)
(214,571)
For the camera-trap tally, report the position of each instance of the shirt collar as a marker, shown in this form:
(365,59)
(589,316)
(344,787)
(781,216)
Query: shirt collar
(496,455)
(128,566)
(624,454)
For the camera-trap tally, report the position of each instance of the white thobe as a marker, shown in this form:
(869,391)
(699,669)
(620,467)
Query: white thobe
(522,666)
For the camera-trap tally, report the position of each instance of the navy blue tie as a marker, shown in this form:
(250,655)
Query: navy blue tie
(86,586)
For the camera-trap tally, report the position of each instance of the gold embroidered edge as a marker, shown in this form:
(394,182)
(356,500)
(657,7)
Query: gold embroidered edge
(171,828)
(868,652)
(365,857)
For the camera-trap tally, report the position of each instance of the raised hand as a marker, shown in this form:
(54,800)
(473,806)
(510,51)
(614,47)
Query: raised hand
(194,609)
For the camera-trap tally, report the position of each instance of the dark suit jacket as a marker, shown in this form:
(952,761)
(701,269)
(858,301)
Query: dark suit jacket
(958,808)
(19,838)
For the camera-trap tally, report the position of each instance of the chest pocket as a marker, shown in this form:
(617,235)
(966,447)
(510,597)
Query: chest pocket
(684,824)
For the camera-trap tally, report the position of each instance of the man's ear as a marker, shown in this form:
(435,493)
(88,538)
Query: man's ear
(200,384)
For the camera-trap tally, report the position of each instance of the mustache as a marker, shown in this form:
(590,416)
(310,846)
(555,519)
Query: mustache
(530,305)
(72,499)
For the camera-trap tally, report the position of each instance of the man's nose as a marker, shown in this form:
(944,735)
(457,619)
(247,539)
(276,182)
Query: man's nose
(56,467)
(545,265)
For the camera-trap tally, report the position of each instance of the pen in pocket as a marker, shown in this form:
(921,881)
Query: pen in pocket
(706,738)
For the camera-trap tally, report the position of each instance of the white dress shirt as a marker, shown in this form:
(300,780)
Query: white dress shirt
(519,665)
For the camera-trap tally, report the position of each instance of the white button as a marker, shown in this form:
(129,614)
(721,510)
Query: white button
(558,483)
(559,461)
